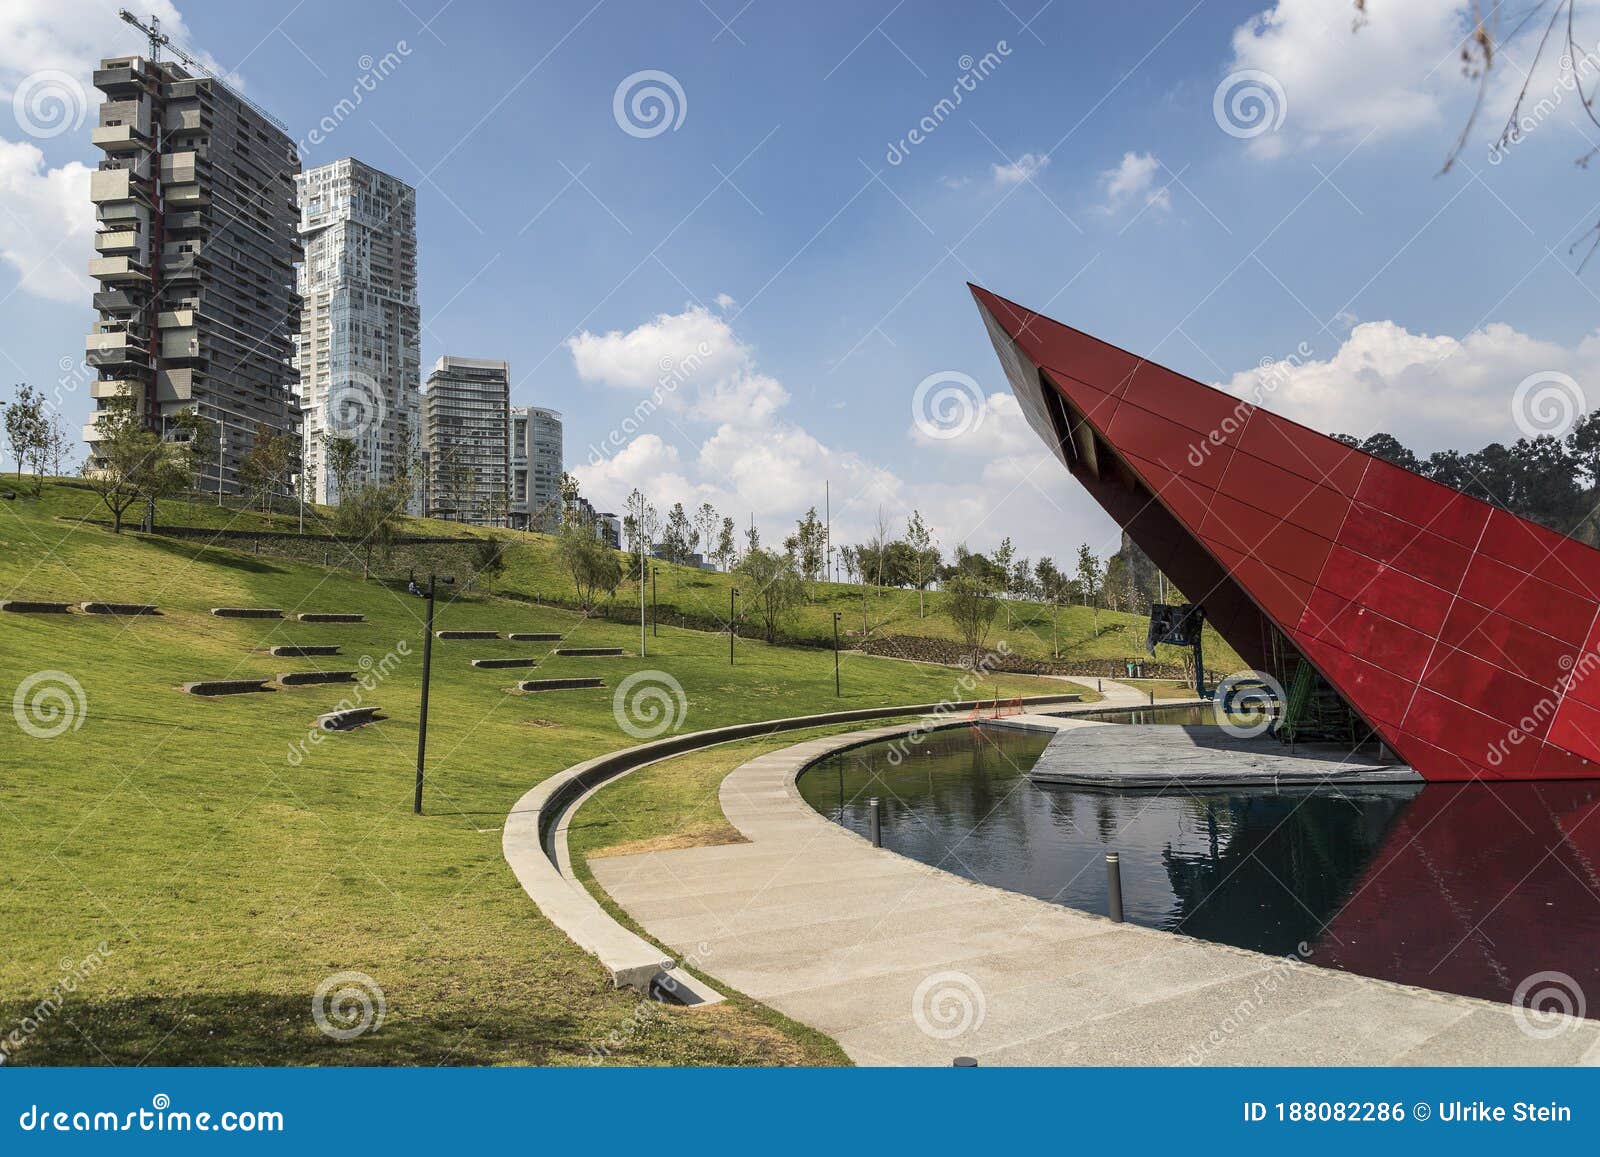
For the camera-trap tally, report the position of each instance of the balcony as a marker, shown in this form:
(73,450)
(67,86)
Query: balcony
(118,301)
(117,241)
(117,388)
(112,270)
(119,139)
(117,348)
(181,343)
(120,83)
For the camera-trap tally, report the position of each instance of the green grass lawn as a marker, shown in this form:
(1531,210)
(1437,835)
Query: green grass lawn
(228,867)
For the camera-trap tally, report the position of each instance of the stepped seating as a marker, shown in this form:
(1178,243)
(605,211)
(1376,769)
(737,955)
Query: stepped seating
(348,719)
(535,637)
(329,617)
(533,685)
(247,612)
(590,652)
(226,687)
(34,607)
(118,609)
(466,634)
(492,664)
(302,651)
(310,678)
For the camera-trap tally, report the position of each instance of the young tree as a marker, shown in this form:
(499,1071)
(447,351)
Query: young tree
(265,469)
(727,544)
(641,525)
(132,463)
(675,538)
(706,523)
(774,585)
(848,557)
(341,453)
(1090,578)
(922,558)
(594,567)
(1054,589)
(752,537)
(972,608)
(367,517)
(809,544)
(27,429)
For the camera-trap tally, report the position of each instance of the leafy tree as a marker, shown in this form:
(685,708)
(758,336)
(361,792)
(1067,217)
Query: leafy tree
(848,559)
(1090,581)
(922,558)
(675,537)
(341,454)
(727,544)
(266,468)
(28,431)
(752,537)
(809,545)
(972,607)
(594,567)
(706,524)
(773,584)
(131,462)
(641,525)
(368,517)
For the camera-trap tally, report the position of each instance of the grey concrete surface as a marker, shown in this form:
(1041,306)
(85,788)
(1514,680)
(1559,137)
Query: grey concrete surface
(904,964)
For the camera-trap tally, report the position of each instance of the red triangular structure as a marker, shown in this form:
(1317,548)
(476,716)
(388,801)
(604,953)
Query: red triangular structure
(1463,635)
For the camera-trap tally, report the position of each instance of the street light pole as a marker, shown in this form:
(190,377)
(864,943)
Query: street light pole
(733,593)
(836,691)
(427,668)
(655,620)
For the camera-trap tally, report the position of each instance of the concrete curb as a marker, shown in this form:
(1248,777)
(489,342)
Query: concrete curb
(632,961)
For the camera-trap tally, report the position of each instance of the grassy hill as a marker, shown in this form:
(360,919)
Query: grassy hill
(529,570)
(216,866)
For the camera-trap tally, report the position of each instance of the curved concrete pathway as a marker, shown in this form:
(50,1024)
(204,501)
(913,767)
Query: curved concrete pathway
(906,964)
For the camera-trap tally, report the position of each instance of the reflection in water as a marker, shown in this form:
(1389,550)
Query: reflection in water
(1466,888)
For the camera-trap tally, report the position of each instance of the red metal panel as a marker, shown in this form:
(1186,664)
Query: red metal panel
(1520,649)
(1202,409)
(1309,506)
(1137,431)
(1491,690)
(1458,728)
(1374,584)
(1380,695)
(1423,502)
(1543,553)
(1280,594)
(1518,595)
(1097,405)
(1305,452)
(1265,538)
(1577,729)
(1357,630)
(1417,552)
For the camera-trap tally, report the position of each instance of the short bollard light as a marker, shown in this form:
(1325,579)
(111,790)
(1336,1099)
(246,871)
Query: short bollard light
(1114,886)
(964,1063)
(875,821)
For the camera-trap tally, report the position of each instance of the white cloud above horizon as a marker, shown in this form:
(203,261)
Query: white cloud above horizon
(1134,181)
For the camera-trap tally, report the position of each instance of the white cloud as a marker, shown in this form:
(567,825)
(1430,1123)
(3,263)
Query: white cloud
(1134,181)
(1394,74)
(1431,392)
(725,302)
(696,343)
(48,52)
(1019,170)
(47,223)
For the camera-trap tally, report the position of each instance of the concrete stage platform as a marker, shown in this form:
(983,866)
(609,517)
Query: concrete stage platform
(1088,753)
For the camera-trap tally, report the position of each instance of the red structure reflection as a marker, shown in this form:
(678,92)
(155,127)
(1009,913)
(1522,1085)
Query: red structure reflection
(1463,636)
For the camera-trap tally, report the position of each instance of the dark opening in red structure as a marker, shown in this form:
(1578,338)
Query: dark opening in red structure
(1463,636)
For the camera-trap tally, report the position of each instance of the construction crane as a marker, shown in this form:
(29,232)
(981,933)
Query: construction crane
(159,40)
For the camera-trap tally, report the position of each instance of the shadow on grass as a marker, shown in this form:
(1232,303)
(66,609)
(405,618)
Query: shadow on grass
(216,556)
(255,1028)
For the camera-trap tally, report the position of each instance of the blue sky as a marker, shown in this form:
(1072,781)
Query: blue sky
(1087,175)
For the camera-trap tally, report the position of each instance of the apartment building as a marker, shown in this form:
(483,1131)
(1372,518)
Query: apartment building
(535,468)
(357,354)
(195,206)
(467,424)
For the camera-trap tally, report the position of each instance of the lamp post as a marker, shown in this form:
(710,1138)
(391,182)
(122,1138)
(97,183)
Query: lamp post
(733,593)
(427,667)
(655,621)
(836,616)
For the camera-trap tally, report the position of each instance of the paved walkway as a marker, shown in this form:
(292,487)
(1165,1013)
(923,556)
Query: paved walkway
(905,964)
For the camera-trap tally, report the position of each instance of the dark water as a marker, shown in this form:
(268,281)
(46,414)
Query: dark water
(1467,888)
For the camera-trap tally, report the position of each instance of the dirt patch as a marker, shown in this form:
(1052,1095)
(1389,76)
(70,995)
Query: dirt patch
(707,834)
